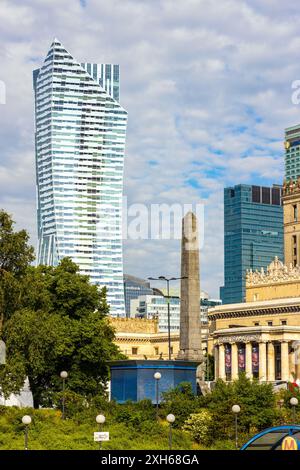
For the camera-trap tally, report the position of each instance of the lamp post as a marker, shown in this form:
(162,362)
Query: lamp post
(157,377)
(100,419)
(170,419)
(26,420)
(294,403)
(168,279)
(64,376)
(236,409)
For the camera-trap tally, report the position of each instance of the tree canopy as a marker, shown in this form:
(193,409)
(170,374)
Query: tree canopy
(52,319)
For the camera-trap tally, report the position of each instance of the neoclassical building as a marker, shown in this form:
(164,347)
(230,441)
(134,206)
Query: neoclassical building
(261,336)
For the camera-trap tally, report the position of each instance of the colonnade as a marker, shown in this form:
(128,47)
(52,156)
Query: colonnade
(266,369)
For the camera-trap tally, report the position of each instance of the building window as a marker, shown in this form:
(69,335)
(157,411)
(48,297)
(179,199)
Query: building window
(283,322)
(171,350)
(156,351)
(270,323)
(134,351)
(256,323)
(295,213)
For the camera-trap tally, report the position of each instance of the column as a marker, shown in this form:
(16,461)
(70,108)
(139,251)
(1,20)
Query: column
(248,354)
(216,357)
(234,362)
(285,361)
(262,361)
(222,374)
(271,362)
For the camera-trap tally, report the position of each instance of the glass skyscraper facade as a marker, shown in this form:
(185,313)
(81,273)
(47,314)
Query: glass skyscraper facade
(80,132)
(292,153)
(253,235)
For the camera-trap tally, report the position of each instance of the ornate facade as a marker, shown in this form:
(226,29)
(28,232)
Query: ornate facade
(291,211)
(260,337)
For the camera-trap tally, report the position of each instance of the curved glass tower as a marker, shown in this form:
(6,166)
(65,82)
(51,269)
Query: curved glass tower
(80,132)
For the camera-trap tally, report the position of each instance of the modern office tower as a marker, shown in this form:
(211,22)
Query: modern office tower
(80,131)
(133,288)
(292,153)
(253,235)
(156,306)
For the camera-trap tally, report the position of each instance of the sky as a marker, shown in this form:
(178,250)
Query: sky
(207,86)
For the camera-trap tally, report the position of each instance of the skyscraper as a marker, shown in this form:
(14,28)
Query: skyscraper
(80,131)
(253,235)
(292,153)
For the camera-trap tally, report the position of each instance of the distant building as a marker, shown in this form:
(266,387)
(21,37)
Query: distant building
(156,306)
(253,235)
(292,153)
(205,304)
(133,288)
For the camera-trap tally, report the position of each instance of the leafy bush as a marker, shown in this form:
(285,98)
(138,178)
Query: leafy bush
(181,402)
(199,425)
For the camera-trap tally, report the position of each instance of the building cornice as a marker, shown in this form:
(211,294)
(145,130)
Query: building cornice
(267,307)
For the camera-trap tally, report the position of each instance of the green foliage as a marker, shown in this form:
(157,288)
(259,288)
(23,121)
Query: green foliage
(199,426)
(181,402)
(63,325)
(15,257)
(257,402)
(49,431)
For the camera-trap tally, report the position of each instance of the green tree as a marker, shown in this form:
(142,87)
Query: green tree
(257,402)
(15,257)
(62,325)
(181,402)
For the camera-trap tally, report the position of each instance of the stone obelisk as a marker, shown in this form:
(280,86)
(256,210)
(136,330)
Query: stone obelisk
(190,325)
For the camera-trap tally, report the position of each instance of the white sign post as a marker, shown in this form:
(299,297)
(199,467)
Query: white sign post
(101,437)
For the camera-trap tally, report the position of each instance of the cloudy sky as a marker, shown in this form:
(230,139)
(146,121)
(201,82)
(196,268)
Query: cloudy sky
(207,86)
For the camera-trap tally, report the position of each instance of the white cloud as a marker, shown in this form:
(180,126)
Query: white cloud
(197,77)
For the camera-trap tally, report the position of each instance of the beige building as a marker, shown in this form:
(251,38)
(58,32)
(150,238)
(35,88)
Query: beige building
(260,337)
(139,338)
(291,211)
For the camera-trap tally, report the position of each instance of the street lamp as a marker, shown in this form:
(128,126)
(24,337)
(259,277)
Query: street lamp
(170,419)
(157,377)
(100,419)
(236,409)
(294,403)
(64,376)
(168,279)
(26,420)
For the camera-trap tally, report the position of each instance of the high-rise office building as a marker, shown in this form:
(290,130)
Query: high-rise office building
(253,235)
(80,131)
(292,153)
(133,288)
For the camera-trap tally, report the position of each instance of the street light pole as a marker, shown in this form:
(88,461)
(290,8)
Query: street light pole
(164,278)
(170,419)
(236,409)
(100,419)
(294,403)
(26,420)
(63,376)
(157,377)
(169,319)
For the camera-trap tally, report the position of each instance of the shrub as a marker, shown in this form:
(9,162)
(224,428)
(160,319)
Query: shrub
(199,425)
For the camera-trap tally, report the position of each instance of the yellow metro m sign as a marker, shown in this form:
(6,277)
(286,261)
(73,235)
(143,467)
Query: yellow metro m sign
(289,443)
